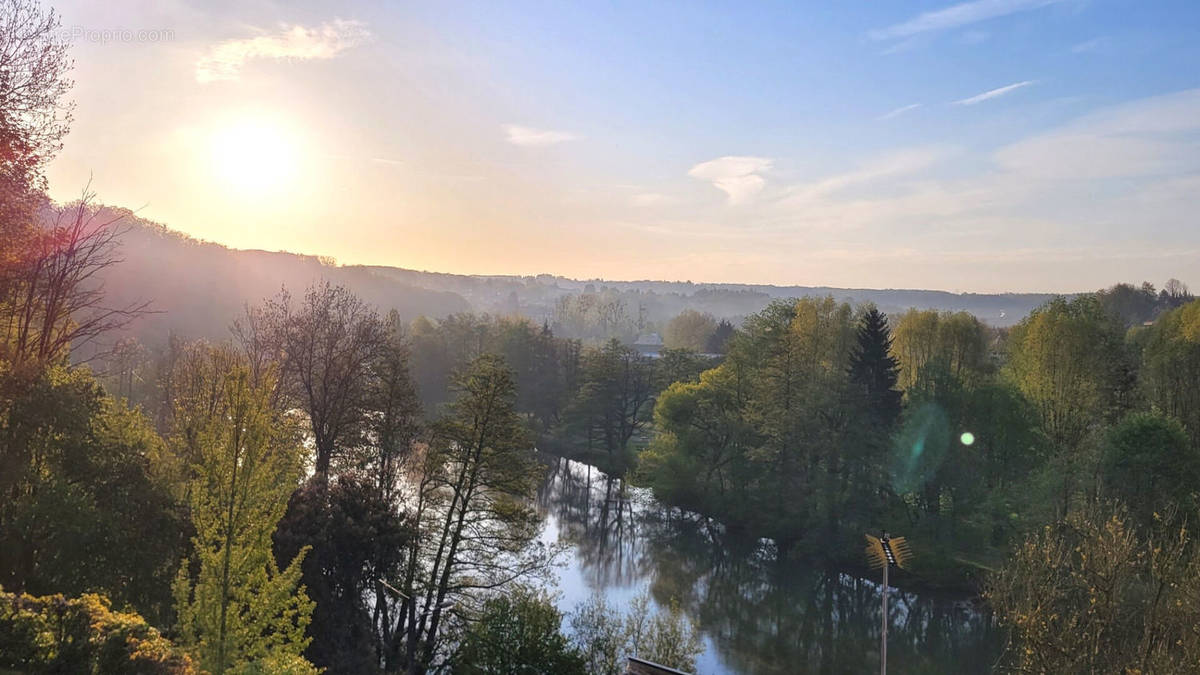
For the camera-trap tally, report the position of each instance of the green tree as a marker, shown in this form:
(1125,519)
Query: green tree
(615,387)
(354,537)
(1130,304)
(598,631)
(1170,367)
(874,372)
(698,457)
(955,340)
(689,330)
(718,342)
(240,612)
(679,365)
(766,438)
(963,461)
(666,637)
(542,365)
(1069,359)
(353,381)
(915,343)
(545,366)
(801,350)
(518,632)
(89,493)
(1148,464)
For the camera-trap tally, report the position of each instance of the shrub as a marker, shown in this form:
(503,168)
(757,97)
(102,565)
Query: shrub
(54,634)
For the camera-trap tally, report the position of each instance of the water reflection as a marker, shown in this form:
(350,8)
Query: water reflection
(759,614)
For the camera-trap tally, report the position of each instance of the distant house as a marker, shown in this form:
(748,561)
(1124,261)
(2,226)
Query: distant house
(649,344)
(636,666)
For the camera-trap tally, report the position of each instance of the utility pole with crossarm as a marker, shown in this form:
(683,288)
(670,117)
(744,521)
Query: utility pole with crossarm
(886,552)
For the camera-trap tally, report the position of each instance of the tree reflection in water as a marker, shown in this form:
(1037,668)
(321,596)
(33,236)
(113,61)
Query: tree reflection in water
(759,614)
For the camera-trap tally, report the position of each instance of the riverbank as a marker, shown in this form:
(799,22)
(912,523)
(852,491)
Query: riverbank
(759,611)
(934,568)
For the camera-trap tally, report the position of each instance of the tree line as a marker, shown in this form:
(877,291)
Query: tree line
(1054,464)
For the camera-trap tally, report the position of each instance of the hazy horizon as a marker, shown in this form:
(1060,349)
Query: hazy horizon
(630,280)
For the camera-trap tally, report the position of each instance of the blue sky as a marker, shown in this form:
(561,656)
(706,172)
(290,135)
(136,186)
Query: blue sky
(987,146)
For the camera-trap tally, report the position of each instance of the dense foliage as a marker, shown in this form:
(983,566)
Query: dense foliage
(53,634)
(518,633)
(770,439)
(84,478)
(801,433)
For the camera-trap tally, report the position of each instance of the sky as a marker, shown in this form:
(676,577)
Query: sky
(985,146)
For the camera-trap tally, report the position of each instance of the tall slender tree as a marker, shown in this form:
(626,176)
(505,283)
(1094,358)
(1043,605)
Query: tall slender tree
(240,610)
(485,475)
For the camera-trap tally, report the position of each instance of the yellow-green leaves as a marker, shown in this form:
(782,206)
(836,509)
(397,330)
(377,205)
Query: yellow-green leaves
(237,609)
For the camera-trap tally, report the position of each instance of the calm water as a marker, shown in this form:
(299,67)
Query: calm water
(758,614)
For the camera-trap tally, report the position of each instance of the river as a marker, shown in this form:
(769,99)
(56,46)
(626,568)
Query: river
(758,614)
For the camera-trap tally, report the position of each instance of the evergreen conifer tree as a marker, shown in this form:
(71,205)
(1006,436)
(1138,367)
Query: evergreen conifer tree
(874,371)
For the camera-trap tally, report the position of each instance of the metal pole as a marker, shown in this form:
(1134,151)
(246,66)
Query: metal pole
(883,638)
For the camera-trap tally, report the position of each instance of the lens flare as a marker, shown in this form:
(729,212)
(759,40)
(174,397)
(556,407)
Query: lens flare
(921,446)
(967,438)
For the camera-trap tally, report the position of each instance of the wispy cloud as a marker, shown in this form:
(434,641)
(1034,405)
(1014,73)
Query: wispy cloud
(955,16)
(899,111)
(736,176)
(994,93)
(1145,154)
(1154,136)
(898,163)
(224,61)
(528,136)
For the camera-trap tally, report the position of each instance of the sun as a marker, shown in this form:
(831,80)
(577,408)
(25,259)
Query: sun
(255,156)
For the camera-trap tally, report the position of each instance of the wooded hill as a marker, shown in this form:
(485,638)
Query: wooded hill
(198,288)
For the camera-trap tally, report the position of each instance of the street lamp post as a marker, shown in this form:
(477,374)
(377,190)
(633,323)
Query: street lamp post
(886,552)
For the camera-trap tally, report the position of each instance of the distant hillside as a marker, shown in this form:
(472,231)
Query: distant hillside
(660,300)
(201,287)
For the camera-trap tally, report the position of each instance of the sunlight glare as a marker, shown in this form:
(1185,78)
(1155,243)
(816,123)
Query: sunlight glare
(255,156)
